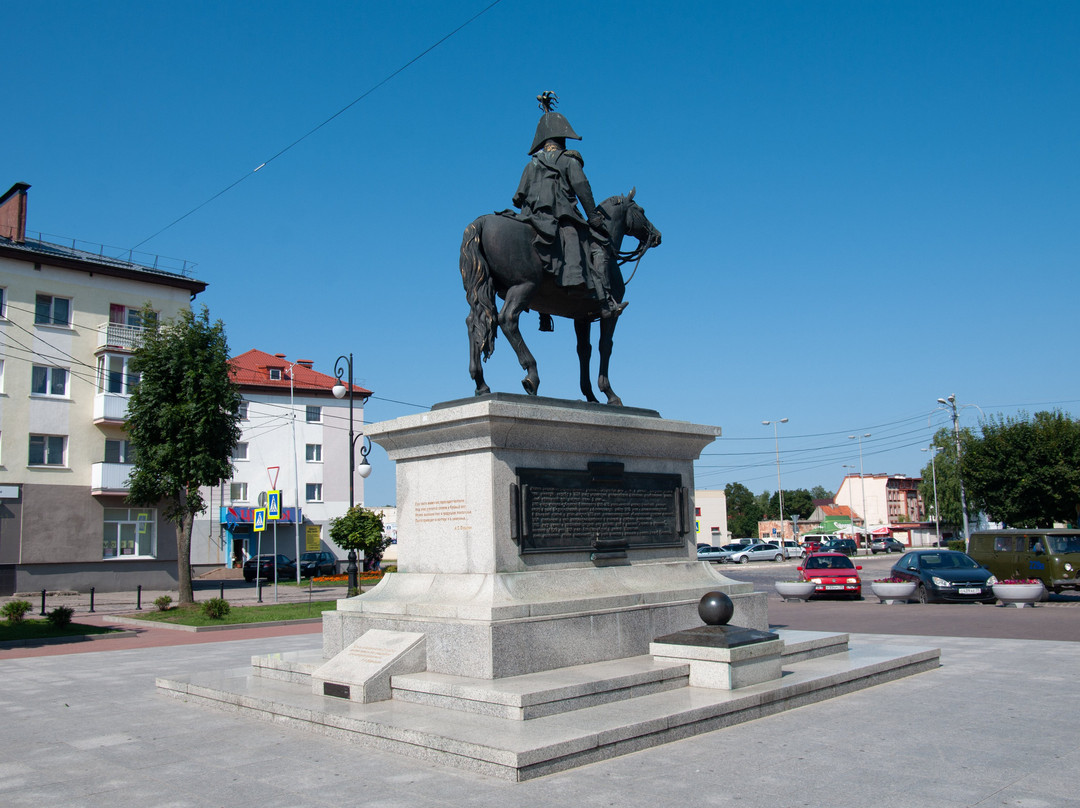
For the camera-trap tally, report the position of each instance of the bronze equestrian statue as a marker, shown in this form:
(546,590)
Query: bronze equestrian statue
(551,259)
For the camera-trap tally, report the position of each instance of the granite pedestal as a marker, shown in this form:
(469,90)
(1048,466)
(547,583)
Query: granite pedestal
(501,581)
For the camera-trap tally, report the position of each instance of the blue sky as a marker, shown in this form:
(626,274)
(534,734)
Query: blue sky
(865,206)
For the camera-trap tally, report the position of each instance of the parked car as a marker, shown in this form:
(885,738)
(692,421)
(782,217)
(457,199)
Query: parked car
(792,549)
(887,545)
(286,569)
(321,563)
(832,574)
(719,554)
(757,552)
(846,546)
(1051,555)
(813,541)
(946,576)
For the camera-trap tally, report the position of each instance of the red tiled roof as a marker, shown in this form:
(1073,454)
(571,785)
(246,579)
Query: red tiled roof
(252,369)
(836,510)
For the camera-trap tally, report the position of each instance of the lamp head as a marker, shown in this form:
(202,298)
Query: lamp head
(339,391)
(364,469)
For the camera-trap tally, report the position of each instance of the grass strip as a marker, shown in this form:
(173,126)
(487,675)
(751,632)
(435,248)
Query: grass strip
(238,615)
(31,629)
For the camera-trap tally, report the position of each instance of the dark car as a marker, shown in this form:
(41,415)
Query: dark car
(314,564)
(887,545)
(286,569)
(846,546)
(832,574)
(946,576)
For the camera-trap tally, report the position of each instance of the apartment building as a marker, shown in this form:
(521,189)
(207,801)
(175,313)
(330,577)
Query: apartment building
(69,322)
(295,440)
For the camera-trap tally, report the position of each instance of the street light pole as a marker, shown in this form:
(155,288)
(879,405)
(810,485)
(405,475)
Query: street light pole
(862,483)
(339,391)
(933,450)
(951,402)
(779,487)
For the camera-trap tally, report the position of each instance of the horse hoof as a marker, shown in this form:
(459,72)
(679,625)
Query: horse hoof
(530,386)
(614,401)
(482,391)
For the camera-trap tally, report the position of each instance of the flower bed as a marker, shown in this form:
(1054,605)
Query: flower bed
(363,577)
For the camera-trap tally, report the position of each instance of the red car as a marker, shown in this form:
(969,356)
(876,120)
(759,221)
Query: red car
(832,574)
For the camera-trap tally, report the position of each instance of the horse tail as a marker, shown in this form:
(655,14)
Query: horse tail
(483,319)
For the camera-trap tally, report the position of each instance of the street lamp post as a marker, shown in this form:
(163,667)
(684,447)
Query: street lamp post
(339,390)
(862,483)
(951,402)
(779,487)
(933,450)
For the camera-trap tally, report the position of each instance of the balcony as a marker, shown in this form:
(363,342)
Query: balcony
(110,478)
(110,408)
(119,336)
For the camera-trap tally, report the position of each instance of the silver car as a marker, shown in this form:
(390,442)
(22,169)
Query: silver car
(757,552)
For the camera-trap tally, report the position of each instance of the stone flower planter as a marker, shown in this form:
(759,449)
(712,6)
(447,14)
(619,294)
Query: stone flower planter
(892,592)
(1019,595)
(794,590)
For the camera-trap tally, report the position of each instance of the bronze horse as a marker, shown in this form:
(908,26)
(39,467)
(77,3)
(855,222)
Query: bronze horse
(498,258)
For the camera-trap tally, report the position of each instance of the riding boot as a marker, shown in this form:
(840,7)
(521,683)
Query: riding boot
(612,308)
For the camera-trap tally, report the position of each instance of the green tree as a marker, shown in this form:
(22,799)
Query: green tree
(797,501)
(1025,471)
(820,492)
(743,510)
(184,421)
(948,481)
(360,530)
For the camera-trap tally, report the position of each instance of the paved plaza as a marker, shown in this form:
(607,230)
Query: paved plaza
(994,725)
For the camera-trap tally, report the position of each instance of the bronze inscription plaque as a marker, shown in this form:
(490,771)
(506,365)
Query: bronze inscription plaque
(563,510)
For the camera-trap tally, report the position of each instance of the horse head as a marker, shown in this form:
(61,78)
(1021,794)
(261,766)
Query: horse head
(627,218)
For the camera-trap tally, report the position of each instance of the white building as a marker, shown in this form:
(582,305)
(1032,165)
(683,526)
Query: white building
(69,321)
(295,440)
(890,499)
(710,517)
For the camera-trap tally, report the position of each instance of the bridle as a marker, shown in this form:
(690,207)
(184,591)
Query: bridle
(623,257)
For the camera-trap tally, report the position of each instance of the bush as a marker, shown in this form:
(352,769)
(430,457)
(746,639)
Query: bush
(163,603)
(958,544)
(15,610)
(60,617)
(216,608)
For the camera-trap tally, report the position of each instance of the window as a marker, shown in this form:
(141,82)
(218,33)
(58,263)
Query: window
(119,451)
(238,492)
(275,374)
(240,451)
(314,492)
(46,450)
(46,381)
(120,314)
(3,302)
(314,414)
(243,410)
(50,310)
(314,452)
(115,375)
(130,532)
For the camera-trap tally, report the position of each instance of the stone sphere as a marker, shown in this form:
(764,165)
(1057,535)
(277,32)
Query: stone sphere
(716,609)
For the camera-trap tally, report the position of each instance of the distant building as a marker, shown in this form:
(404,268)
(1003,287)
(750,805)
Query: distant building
(70,319)
(890,498)
(710,517)
(310,470)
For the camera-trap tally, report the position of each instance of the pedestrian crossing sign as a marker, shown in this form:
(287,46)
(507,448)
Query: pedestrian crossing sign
(273,504)
(260,519)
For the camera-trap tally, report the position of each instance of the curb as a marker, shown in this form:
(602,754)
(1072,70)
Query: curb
(137,621)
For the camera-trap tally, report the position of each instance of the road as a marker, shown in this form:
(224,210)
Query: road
(1057,619)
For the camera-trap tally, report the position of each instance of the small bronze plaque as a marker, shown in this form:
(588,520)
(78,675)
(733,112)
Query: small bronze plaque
(335,690)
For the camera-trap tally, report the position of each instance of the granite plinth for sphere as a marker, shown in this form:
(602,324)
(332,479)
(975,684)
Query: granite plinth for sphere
(488,605)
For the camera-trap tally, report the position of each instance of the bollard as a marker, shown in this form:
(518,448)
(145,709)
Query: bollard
(91,600)
(258,587)
(42,602)
(221,594)
(138,597)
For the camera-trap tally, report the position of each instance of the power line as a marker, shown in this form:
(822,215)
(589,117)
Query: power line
(312,131)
